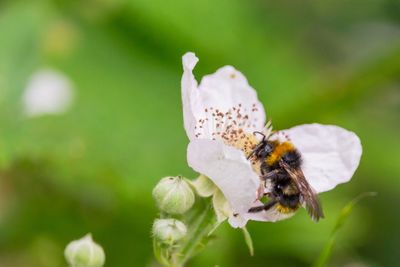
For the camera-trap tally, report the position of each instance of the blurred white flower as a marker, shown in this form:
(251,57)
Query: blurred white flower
(47,92)
(220,117)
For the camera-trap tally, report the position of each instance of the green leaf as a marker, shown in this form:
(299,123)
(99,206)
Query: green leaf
(160,253)
(249,241)
(344,214)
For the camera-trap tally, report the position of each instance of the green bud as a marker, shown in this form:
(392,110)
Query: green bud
(173,195)
(84,253)
(169,230)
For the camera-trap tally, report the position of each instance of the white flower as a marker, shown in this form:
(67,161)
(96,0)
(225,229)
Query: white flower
(220,117)
(47,92)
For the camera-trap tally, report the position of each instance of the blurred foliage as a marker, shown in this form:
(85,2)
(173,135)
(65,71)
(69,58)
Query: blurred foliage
(326,252)
(93,168)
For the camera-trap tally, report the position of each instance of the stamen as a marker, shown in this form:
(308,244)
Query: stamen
(227,125)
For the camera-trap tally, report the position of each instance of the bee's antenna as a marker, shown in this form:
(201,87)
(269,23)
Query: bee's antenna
(260,133)
(252,153)
(259,144)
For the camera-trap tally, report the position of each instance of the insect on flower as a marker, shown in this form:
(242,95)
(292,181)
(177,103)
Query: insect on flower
(280,164)
(231,144)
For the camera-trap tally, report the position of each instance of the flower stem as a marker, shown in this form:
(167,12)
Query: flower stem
(201,228)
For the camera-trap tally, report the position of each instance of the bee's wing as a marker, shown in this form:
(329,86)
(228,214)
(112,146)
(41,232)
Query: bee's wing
(310,198)
(330,154)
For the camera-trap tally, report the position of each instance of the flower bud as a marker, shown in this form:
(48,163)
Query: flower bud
(84,253)
(169,230)
(173,195)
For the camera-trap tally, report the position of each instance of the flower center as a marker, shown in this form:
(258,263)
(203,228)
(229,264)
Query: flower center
(234,126)
(229,125)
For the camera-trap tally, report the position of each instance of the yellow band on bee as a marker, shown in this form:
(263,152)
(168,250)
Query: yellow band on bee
(284,209)
(278,152)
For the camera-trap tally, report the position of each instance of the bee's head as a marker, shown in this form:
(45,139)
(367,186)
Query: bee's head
(265,149)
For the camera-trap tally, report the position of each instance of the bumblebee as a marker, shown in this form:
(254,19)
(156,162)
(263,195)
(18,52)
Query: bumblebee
(280,166)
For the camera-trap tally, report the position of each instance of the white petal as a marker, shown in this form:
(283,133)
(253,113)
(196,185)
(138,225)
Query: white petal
(330,154)
(228,168)
(270,215)
(189,87)
(47,92)
(238,221)
(222,99)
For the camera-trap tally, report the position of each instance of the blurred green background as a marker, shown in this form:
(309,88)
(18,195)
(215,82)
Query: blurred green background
(92,169)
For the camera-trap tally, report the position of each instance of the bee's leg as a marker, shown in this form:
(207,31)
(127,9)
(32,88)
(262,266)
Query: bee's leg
(260,191)
(255,150)
(270,175)
(266,206)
